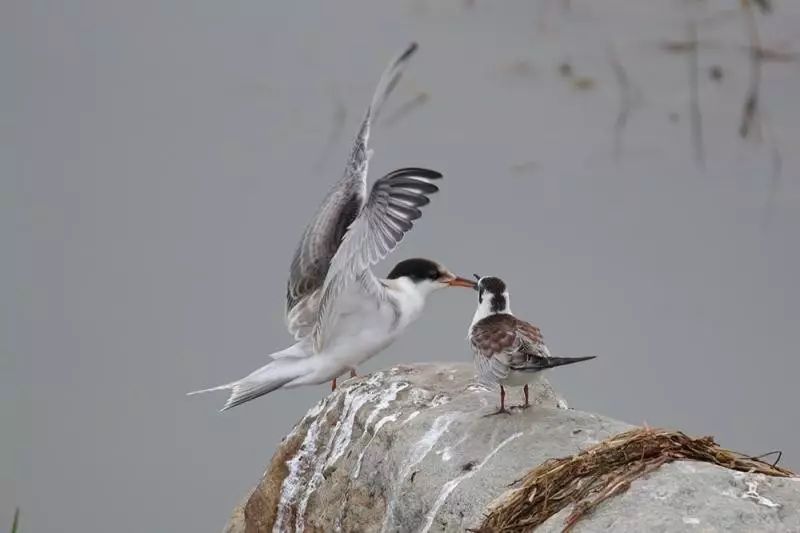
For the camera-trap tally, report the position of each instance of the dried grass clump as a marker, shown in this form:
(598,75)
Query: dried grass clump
(607,469)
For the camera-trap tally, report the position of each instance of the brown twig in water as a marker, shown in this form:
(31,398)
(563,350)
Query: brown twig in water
(407,107)
(775,177)
(694,98)
(627,99)
(751,101)
(679,47)
(770,55)
(753,120)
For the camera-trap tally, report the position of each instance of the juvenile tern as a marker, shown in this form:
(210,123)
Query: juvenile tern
(506,350)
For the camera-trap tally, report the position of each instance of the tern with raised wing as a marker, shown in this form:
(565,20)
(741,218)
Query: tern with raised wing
(339,312)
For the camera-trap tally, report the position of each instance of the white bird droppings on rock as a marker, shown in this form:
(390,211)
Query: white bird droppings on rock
(453,483)
(300,463)
(752,494)
(383,421)
(411,417)
(418,453)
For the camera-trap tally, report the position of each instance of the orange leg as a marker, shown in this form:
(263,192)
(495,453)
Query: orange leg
(333,381)
(502,409)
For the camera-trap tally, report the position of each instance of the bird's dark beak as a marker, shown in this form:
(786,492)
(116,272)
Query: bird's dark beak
(478,279)
(461,282)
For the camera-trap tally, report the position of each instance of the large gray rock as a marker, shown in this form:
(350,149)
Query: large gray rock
(410,449)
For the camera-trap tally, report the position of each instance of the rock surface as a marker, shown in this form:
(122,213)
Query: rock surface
(410,449)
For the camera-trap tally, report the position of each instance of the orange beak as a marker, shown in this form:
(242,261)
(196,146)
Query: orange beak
(461,282)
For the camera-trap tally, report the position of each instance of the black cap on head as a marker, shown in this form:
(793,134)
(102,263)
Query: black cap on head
(417,270)
(492,284)
(496,287)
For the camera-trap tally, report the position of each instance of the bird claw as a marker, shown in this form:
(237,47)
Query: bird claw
(501,411)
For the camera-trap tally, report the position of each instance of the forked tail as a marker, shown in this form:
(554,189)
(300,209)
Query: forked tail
(264,380)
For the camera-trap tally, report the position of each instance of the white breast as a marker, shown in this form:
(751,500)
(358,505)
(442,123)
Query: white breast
(367,323)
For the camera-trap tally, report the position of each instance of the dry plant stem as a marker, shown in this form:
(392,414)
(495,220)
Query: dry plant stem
(694,97)
(751,101)
(406,108)
(775,178)
(753,120)
(625,100)
(617,488)
(603,471)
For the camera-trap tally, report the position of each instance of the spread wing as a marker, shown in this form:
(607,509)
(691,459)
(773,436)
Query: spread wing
(395,201)
(503,343)
(340,208)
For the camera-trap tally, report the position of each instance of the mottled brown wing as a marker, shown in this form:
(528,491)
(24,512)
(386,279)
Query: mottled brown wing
(494,334)
(502,343)
(531,342)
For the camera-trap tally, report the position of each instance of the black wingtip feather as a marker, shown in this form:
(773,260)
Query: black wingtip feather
(424,173)
(412,184)
(411,213)
(409,199)
(542,363)
(412,48)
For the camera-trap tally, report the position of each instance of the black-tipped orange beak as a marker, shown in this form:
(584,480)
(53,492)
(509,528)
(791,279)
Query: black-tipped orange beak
(461,282)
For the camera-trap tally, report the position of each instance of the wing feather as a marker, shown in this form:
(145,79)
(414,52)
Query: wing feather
(503,343)
(323,235)
(376,232)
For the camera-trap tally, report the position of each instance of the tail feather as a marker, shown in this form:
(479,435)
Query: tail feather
(244,391)
(212,389)
(538,363)
(264,380)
